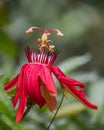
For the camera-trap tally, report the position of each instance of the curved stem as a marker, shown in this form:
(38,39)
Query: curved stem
(55,113)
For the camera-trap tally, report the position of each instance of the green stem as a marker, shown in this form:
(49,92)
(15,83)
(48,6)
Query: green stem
(26,111)
(29,105)
(55,113)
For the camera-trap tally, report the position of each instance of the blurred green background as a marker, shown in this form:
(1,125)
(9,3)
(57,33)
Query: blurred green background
(81,57)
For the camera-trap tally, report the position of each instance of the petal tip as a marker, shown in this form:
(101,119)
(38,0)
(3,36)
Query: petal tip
(18,118)
(95,107)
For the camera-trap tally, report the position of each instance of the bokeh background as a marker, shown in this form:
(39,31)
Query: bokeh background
(81,57)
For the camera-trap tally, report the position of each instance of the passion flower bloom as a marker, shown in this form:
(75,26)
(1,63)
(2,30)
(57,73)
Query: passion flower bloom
(35,82)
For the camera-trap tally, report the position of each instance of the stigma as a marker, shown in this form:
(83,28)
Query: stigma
(43,42)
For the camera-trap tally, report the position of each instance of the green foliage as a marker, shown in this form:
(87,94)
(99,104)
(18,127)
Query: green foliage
(81,57)
(7,45)
(3,15)
(7,112)
(71,64)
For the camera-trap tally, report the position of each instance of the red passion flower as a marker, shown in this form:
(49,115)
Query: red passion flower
(35,80)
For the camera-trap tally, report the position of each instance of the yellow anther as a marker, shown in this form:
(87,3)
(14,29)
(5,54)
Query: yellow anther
(29,31)
(48,34)
(44,37)
(60,34)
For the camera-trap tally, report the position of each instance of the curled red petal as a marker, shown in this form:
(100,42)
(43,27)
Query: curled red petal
(60,75)
(79,94)
(11,83)
(70,86)
(70,81)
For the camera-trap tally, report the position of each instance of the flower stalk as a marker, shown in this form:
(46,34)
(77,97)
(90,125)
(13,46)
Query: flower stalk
(55,113)
(29,105)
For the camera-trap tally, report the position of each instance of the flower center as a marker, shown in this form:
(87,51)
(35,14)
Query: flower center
(42,57)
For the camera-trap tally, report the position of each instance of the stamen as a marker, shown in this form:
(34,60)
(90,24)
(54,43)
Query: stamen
(47,32)
(30,30)
(59,33)
(43,43)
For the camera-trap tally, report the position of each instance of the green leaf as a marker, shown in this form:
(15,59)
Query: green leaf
(70,110)
(4,126)
(12,124)
(96,92)
(7,112)
(5,103)
(4,19)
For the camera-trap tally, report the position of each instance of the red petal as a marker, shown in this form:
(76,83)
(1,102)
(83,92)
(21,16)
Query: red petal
(32,83)
(57,71)
(61,76)
(21,75)
(16,97)
(23,101)
(19,86)
(79,94)
(69,85)
(11,83)
(23,95)
(70,81)
(47,80)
